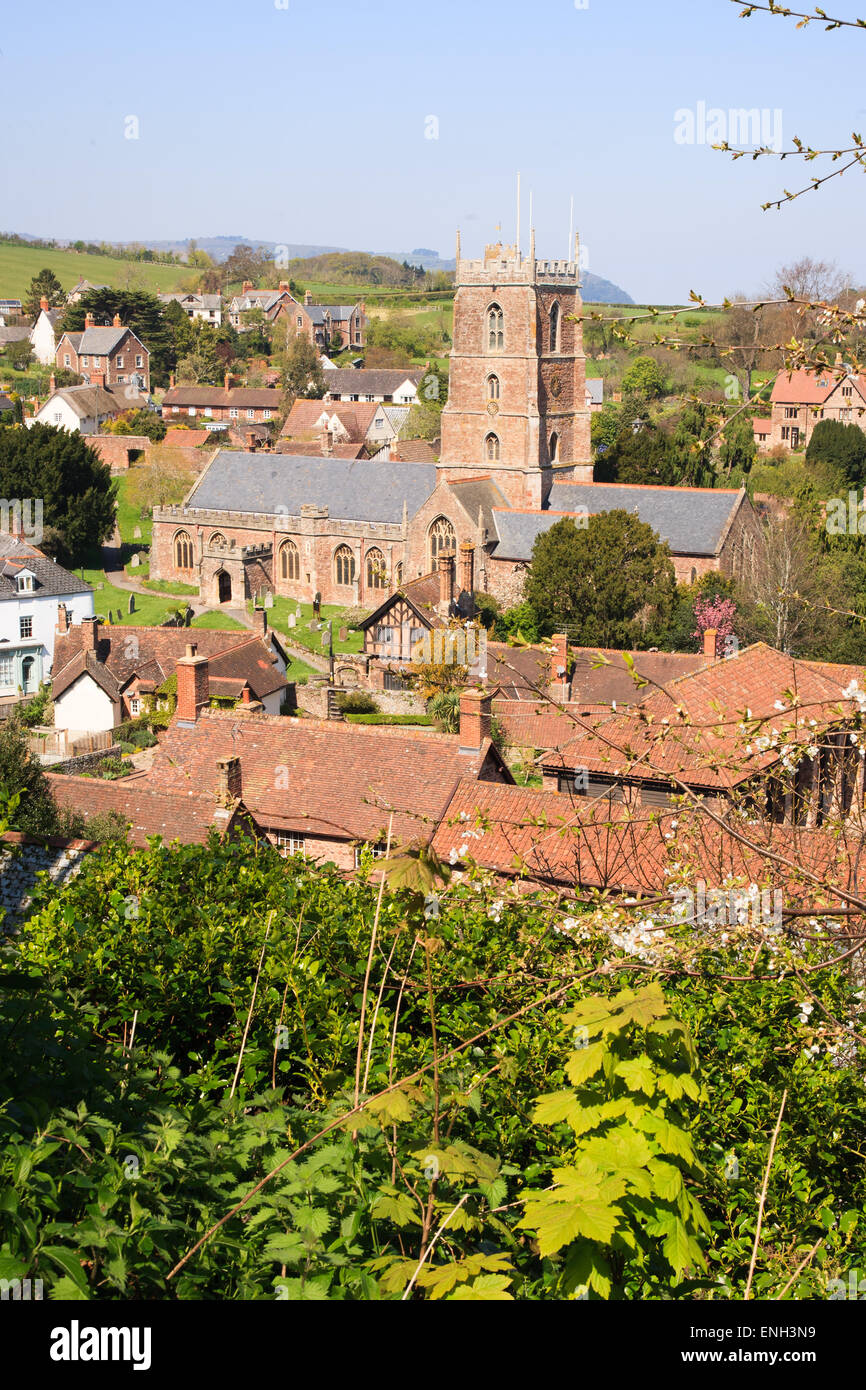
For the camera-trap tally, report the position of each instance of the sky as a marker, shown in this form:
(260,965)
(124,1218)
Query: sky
(379,125)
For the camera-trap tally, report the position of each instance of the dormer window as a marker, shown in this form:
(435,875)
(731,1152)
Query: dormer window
(25,583)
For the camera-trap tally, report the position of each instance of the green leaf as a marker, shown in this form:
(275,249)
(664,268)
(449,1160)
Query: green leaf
(584,1062)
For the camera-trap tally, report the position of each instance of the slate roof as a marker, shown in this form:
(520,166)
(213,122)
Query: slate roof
(5,403)
(51,579)
(360,490)
(692,520)
(100,341)
(339,313)
(369,381)
(517,530)
(595,389)
(13,335)
(479,494)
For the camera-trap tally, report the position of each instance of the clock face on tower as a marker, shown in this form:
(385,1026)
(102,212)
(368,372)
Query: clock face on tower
(555,385)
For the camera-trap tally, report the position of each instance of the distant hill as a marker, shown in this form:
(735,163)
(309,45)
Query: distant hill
(19,263)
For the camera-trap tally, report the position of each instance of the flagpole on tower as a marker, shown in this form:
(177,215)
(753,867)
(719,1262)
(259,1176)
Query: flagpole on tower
(518,216)
(570,229)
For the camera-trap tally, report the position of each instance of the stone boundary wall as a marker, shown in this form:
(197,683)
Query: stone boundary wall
(85,762)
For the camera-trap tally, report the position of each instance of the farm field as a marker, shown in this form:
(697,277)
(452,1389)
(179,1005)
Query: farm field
(19,264)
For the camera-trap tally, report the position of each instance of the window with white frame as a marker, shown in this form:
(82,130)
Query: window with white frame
(233,412)
(266,414)
(376,851)
(67,360)
(25,627)
(135,705)
(139,361)
(119,361)
(290,843)
(251,414)
(7,671)
(25,583)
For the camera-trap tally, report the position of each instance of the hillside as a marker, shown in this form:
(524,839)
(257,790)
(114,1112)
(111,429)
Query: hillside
(18,265)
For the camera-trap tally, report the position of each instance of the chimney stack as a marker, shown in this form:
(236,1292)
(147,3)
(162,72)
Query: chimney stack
(52,384)
(248,284)
(467,567)
(116,321)
(171,381)
(89,634)
(475,711)
(192,685)
(559,666)
(446,583)
(228,381)
(229,781)
(89,320)
(710,643)
(43,304)
(308,297)
(284,287)
(62,620)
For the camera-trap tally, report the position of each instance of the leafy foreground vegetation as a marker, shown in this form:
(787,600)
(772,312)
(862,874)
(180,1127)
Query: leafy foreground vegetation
(213,1041)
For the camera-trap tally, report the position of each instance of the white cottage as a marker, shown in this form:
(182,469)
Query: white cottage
(43,334)
(30,587)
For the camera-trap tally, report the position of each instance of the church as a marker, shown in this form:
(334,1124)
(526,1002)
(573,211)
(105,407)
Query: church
(515,457)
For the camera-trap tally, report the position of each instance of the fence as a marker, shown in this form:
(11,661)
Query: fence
(66,743)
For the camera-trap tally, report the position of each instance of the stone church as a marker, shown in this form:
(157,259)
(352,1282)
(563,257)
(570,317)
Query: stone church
(515,457)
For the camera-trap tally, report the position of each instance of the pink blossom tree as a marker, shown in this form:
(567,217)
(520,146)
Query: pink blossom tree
(718,613)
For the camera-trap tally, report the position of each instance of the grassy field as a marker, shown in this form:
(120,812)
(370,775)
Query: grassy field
(18,265)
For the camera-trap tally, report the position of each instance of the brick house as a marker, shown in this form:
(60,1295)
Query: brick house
(103,675)
(799,400)
(383,385)
(267,302)
(321,423)
(321,788)
(207,307)
(112,356)
(257,405)
(326,326)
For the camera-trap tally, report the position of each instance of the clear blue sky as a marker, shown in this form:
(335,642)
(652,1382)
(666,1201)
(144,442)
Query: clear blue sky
(307,124)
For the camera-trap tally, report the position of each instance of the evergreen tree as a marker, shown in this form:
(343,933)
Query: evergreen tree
(74,486)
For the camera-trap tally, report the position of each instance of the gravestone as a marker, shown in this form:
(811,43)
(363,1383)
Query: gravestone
(344,634)
(292,620)
(132,603)
(269,600)
(135,561)
(136,535)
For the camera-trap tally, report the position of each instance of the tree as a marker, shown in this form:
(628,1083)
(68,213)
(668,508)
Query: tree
(645,378)
(843,446)
(20,353)
(44,285)
(691,443)
(602,583)
(142,422)
(785,603)
(21,772)
(425,418)
(302,371)
(738,451)
(166,480)
(639,456)
(738,341)
(73,484)
(715,615)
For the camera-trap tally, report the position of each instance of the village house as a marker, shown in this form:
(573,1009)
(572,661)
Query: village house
(379,384)
(43,334)
(77,293)
(82,409)
(323,424)
(690,733)
(106,356)
(105,674)
(206,307)
(30,585)
(324,789)
(10,309)
(594,393)
(329,327)
(801,399)
(253,404)
(250,300)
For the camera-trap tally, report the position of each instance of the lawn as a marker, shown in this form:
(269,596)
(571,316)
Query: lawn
(129,515)
(19,264)
(303,636)
(150,610)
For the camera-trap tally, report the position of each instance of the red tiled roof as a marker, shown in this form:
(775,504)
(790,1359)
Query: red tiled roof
(761,426)
(551,838)
(804,387)
(313,447)
(186,815)
(355,418)
(188,439)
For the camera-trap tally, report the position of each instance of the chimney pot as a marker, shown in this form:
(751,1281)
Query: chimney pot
(710,643)
(52,383)
(559,666)
(117,321)
(446,583)
(89,634)
(248,284)
(308,297)
(229,780)
(43,303)
(62,619)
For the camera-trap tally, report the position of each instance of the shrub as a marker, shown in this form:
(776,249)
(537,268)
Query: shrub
(142,738)
(356,702)
(389,719)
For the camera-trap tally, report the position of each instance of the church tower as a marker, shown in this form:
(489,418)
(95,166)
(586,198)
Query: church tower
(517,396)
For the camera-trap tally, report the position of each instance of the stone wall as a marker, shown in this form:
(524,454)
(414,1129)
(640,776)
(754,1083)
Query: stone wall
(86,762)
(115,449)
(23,859)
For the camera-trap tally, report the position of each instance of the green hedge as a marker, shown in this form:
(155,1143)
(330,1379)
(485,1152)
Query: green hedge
(389,719)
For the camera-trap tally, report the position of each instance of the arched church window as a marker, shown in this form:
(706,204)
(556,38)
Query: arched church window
(442,539)
(495,329)
(218,540)
(491,448)
(554,328)
(493,388)
(344,565)
(554,447)
(290,561)
(183,551)
(377,574)
(398,573)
